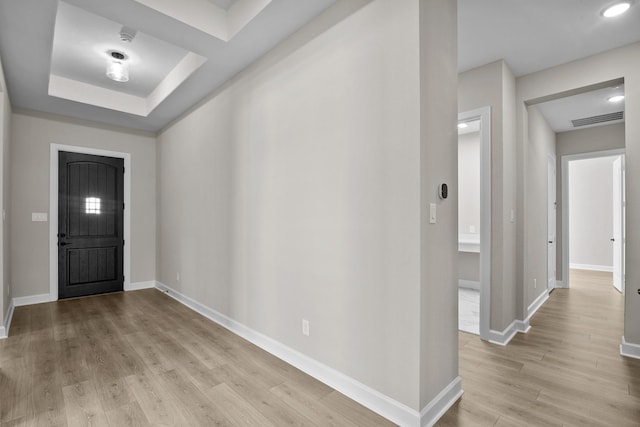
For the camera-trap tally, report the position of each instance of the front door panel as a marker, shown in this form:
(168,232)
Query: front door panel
(90,224)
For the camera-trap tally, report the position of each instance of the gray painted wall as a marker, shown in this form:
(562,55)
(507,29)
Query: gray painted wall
(591,213)
(469,183)
(5,214)
(542,144)
(295,192)
(438,164)
(31,139)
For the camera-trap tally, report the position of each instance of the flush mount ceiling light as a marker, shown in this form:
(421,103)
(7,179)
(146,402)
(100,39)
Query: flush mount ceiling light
(616,98)
(616,9)
(117,68)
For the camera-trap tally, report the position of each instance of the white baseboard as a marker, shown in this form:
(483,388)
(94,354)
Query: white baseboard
(629,350)
(384,405)
(469,284)
(503,337)
(4,329)
(535,305)
(521,326)
(591,267)
(441,403)
(136,286)
(31,299)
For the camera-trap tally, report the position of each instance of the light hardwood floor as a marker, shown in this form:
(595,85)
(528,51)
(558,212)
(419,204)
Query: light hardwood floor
(141,358)
(567,371)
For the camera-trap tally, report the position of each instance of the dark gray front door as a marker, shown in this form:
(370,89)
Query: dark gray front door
(90,218)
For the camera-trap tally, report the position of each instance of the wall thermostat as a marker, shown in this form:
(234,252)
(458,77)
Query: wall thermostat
(443,191)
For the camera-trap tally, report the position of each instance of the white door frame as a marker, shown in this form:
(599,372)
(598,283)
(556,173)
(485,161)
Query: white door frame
(565,203)
(619,220)
(552,238)
(53,212)
(484,115)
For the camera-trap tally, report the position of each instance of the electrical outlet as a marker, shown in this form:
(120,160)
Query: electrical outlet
(305,327)
(535,283)
(177,277)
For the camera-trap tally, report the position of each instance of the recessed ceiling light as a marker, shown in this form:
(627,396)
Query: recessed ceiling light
(616,98)
(616,9)
(462,125)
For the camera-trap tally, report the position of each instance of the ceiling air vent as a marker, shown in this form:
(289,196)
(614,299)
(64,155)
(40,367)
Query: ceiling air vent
(598,119)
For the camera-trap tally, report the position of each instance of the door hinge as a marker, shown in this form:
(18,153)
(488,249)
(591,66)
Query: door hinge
(123,243)
(123,169)
(123,206)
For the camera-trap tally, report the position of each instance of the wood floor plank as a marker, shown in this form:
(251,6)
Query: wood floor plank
(309,408)
(156,403)
(82,405)
(353,411)
(129,415)
(235,408)
(269,405)
(198,409)
(15,389)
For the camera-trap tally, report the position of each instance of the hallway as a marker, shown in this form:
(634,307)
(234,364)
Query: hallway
(566,371)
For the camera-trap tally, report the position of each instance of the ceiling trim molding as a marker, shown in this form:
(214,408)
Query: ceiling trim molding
(86,93)
(209,18)
(82,122)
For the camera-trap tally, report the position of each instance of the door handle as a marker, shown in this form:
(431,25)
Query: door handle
(550,241)
(612,239)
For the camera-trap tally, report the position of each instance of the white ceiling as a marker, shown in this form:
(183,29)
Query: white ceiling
(27,30)
(560,112)
(81,44)
(529,34)
(533,35)
(224,4)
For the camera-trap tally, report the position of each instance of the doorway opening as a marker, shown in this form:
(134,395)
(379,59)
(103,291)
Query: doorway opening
(594,220)
(474,222)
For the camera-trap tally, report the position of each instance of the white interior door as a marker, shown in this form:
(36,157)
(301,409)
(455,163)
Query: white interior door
(551,223)
(617,238)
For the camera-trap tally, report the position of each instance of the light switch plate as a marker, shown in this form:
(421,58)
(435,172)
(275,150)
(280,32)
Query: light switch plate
(432,213)
(39,216)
